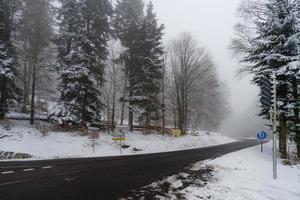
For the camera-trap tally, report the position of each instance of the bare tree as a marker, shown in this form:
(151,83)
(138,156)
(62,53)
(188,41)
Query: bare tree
(114,81)
(125,82)
(37,30)
(194,84)
(187,63)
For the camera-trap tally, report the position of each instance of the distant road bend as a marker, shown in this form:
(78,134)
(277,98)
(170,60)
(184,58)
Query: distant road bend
(102,178)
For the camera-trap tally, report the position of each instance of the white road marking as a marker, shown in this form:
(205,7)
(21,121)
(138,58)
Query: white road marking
(28,170)
(71,178)
(14,182)
(67,173)
(8,172)
(47,167)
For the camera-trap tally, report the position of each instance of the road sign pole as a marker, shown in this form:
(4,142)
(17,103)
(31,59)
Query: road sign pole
(274,131)
(261,136)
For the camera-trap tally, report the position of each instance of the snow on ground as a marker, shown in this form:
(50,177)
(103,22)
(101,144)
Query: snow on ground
(242,175)
(247,174)
(23,138)
(17,115)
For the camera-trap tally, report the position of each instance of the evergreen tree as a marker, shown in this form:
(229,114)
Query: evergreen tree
(7,57)
(149,73)
(82,41)
(128,19)
(275,50)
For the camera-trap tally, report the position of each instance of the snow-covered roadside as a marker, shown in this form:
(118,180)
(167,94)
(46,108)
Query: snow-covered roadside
(247,174)
(24,139)
(242,175)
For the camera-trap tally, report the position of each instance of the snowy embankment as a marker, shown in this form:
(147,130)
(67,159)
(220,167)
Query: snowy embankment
(23,138)
(247,174)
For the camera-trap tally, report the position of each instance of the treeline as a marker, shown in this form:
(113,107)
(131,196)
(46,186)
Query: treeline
(268,41)
(94,61)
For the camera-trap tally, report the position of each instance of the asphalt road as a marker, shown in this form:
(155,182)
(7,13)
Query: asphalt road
(102,178)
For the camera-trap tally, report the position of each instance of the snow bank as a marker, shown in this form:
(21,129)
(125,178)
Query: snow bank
(25,139)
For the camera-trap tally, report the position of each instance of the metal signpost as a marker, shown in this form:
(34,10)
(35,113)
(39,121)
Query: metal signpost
(94,135)
(119,137)
(269,101)
(262,136)
(274,123)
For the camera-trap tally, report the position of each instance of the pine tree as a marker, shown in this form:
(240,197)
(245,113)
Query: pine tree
(128,19)
(149,74)
(282,32)
(82,42)
(7,57)
(275,50)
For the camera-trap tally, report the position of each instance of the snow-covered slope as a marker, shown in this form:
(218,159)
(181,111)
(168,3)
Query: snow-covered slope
(23,138)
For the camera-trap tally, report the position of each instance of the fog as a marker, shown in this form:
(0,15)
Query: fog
(245,124)
(211,22)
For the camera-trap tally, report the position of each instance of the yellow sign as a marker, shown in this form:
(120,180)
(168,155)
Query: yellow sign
(119,139)
(176,132)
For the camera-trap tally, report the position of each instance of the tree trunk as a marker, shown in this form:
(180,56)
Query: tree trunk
(83,111)
(179,110)
(184,108)
(114,96)
(163,95)
(32,109)
(147,123)
(129,70)
(298,148)
(113,109)
(175,117)
(283,136)
(124,102)
(130,116)
(297,119)
(25,87)
(185,114)
(108,112)
(3,98)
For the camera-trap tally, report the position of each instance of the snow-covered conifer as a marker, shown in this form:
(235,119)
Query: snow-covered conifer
(273,48)
(7,57)
(148,75)
(83,34)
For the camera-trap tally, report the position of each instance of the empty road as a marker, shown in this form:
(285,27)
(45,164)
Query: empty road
(102,178)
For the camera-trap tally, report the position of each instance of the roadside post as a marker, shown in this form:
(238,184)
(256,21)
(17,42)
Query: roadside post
(262,136)
(94,135)
(268,101)
(119,137)
(274,123)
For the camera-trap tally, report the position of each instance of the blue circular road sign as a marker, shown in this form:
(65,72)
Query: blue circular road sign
(262,135)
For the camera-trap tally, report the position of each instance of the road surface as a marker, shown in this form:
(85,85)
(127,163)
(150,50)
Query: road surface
(102,178)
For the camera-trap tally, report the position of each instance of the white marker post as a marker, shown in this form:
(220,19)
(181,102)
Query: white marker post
(274,129)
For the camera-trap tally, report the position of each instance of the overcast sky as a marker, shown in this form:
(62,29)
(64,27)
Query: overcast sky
(211,22)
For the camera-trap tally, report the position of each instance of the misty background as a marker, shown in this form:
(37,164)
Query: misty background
(212,22)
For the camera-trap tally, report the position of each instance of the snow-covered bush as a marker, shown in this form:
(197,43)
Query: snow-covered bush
(61,115)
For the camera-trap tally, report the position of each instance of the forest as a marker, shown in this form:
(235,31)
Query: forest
(81,62)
